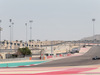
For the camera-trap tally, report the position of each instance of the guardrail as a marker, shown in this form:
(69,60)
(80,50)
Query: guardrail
(14,59)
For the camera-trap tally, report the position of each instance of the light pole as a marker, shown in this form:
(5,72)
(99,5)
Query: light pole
(10,20)
(10,36)
(93,30)
(26,33)
(31,21)
(12,30)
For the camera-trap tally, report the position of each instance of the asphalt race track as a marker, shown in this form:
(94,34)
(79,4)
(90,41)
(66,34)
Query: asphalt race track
(85,59)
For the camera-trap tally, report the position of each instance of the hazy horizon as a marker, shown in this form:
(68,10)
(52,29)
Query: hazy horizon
(52,19)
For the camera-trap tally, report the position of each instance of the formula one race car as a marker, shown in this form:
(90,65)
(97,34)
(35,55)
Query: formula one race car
(96,58)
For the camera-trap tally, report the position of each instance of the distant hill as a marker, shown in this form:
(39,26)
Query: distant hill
(97,37)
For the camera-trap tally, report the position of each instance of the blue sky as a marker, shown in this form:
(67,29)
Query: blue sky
(53,19)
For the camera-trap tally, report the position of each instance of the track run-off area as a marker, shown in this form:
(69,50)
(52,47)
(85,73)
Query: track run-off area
(78,64)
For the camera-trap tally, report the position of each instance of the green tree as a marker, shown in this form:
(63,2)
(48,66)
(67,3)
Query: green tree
(24,51)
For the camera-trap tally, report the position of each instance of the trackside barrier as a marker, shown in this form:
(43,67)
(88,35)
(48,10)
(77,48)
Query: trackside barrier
(44,57)
(30,58)
(64,55)
(68,54)
(49,57)
(57,55)
(60,55)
